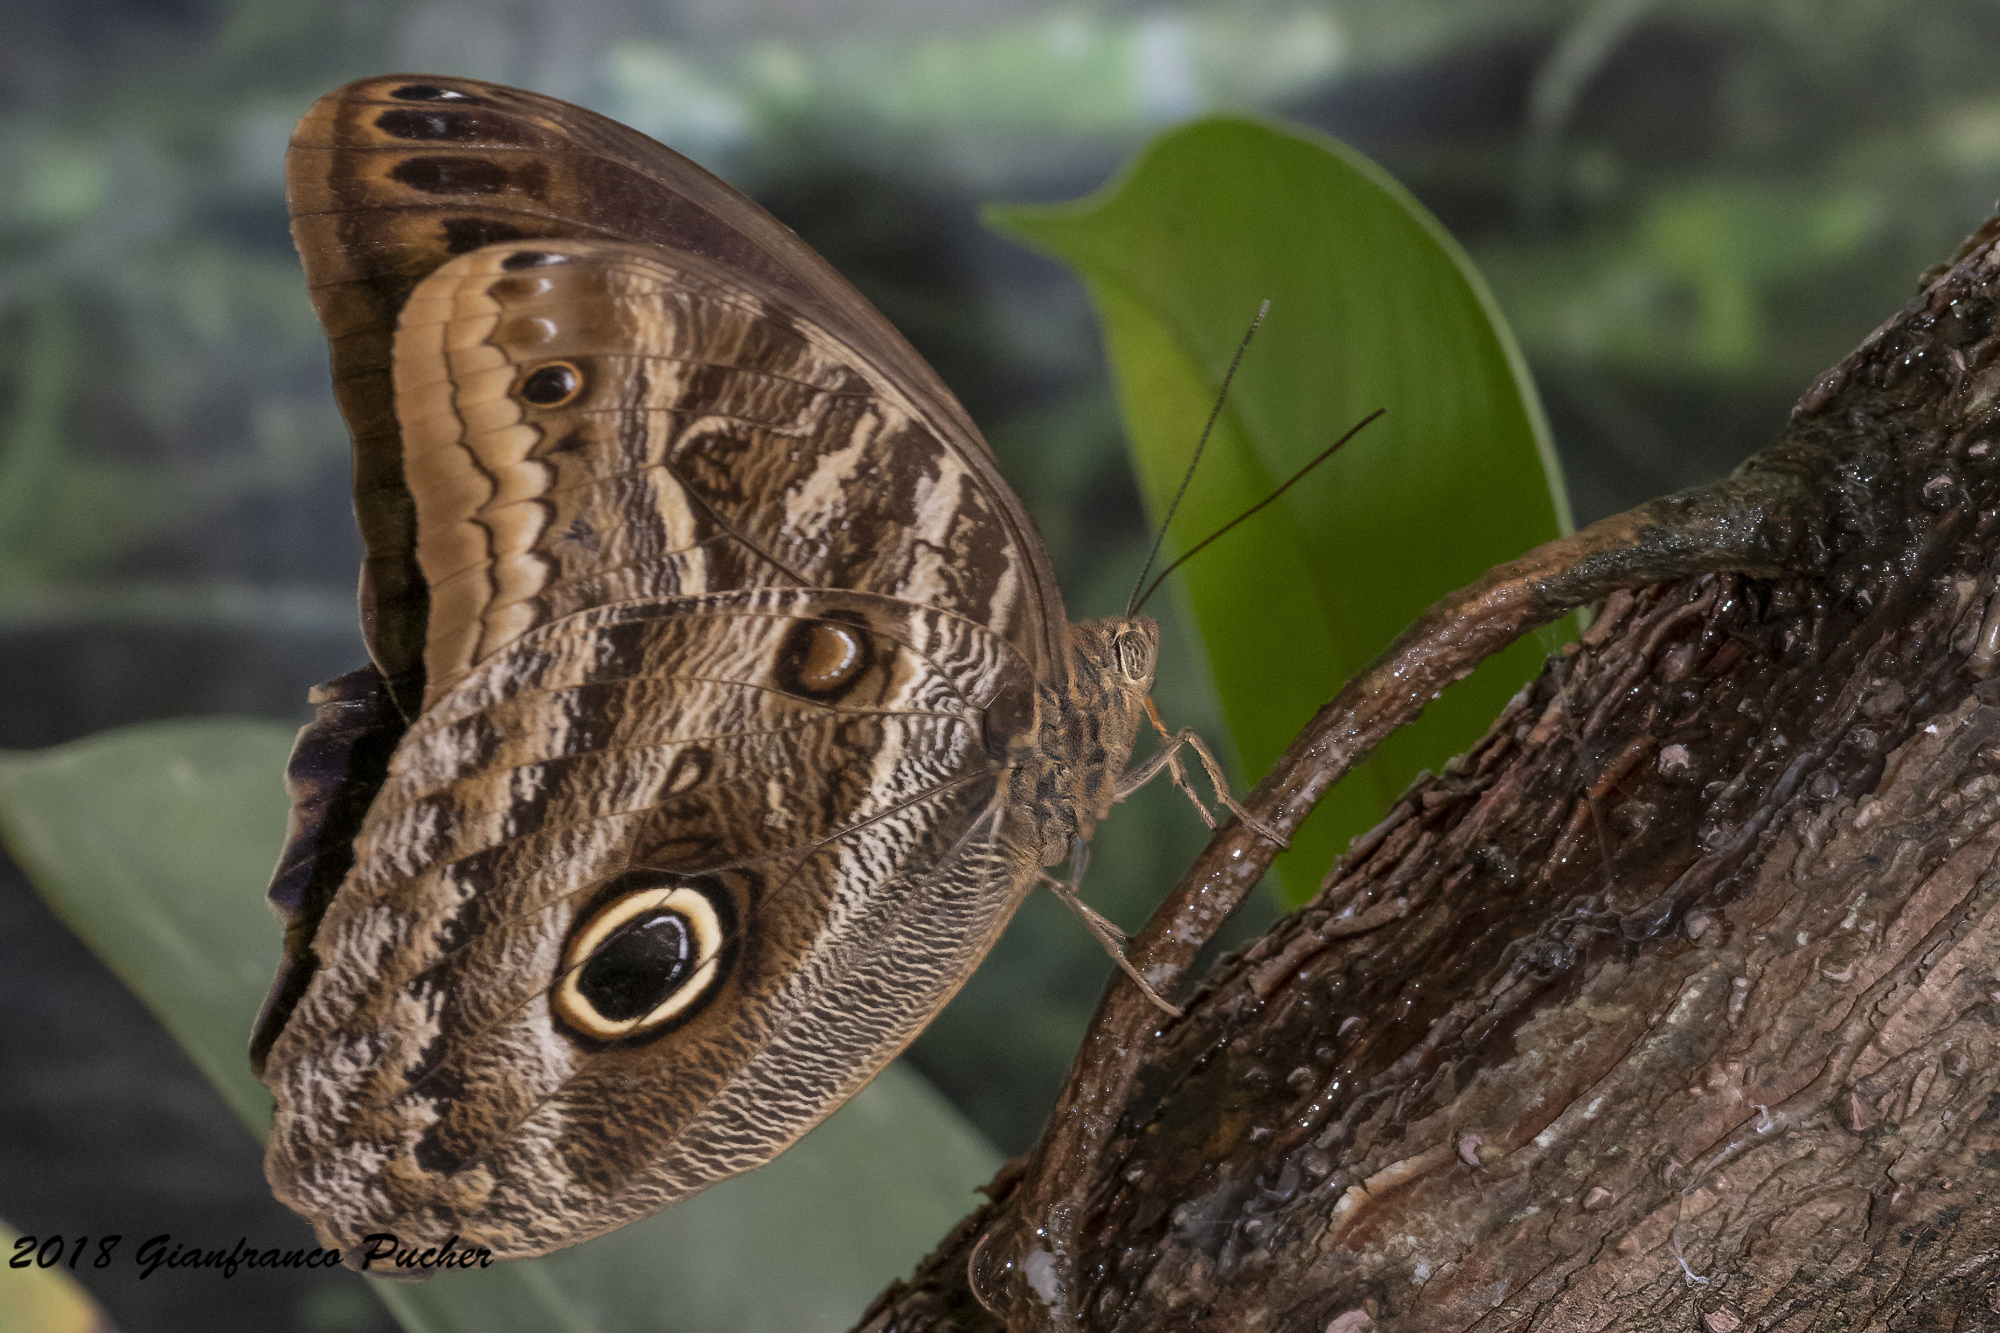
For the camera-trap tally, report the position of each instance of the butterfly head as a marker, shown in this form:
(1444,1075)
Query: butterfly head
(1113,660)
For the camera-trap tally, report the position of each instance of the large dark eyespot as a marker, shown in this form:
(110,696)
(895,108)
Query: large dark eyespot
(638,966)
(823,659)
(644,958)
(552,385)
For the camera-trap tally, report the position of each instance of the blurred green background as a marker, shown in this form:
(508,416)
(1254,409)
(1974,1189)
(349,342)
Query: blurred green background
(1686,210)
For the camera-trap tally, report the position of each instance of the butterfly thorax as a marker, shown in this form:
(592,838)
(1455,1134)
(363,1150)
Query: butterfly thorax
(1089,721)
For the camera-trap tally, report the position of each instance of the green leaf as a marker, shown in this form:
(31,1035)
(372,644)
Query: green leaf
(154,843)
(1372,306)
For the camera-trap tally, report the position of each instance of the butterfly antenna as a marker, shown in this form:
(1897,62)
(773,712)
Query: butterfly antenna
(1296,477)
(1221,395)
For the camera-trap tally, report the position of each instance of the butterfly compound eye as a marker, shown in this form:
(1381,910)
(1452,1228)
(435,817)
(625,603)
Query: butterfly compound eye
(644,959)
(552,385)
(1135,656)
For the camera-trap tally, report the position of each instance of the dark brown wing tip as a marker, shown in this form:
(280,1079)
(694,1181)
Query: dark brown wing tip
(409,89)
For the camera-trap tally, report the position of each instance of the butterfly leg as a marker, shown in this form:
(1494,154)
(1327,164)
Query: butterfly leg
(1101,926)
(1169,759)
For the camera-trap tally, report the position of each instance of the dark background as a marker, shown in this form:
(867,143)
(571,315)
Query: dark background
(1686,211)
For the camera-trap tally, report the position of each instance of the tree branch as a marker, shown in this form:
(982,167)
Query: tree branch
(1539,1037)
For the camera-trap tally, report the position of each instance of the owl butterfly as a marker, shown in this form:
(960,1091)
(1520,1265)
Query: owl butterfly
(722,706)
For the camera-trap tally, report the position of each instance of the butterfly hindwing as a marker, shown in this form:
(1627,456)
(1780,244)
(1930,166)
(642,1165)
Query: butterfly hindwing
(842,857)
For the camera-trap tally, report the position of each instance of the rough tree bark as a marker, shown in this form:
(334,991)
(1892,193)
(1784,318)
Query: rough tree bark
(1674,1004)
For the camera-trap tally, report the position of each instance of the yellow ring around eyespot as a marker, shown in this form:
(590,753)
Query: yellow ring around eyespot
(569,393)
(703,921)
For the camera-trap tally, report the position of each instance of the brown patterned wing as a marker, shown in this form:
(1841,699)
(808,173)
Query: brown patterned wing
(707,810)
(646,895)
(589,422)
(388,178)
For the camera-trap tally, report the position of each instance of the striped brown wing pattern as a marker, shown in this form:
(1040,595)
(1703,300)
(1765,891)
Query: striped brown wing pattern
(585,422)
(845,851)
(725,707)
(387,178)
(699,664)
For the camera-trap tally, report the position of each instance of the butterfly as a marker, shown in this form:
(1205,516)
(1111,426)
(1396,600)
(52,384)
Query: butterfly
(722,706)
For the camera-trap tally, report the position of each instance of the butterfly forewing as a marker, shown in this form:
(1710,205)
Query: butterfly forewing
(593,421)
(388,178)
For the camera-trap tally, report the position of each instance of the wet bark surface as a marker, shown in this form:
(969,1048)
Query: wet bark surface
(1674,1004)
